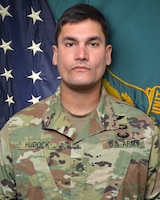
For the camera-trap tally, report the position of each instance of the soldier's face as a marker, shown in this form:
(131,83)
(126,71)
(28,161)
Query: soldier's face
(81,55)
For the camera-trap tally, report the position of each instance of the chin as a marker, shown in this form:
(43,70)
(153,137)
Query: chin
(81,87)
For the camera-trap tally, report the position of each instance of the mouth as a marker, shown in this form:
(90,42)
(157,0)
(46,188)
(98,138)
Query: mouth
(80,68)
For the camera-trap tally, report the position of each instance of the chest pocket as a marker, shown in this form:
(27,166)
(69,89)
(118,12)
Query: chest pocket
(108,172)
(37,179)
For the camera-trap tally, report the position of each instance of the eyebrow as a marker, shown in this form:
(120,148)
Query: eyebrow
(88,39)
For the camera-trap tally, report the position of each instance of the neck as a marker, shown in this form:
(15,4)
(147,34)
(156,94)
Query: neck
(80,102)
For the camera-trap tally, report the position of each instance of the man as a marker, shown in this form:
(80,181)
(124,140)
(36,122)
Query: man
(80,143)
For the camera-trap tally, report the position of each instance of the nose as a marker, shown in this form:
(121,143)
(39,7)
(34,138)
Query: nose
(81,53)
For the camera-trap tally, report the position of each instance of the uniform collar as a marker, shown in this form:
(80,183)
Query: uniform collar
(55,118)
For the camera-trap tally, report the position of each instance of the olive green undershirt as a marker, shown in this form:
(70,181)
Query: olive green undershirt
(78,121)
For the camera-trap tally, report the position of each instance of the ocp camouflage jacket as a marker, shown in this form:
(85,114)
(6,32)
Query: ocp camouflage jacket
(114,156)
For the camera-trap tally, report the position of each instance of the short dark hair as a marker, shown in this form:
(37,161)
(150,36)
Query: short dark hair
(78,13)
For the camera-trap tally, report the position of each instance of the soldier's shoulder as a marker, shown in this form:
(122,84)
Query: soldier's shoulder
(31,115)
(35,109)
(122,107)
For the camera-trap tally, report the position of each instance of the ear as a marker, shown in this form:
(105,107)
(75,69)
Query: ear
(108,54)
(55,52)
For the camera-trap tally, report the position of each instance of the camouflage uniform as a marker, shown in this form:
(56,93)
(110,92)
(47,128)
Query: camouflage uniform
(113,156)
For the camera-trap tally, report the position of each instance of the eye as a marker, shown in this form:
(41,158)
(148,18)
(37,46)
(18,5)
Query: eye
(70,44)
(93,44)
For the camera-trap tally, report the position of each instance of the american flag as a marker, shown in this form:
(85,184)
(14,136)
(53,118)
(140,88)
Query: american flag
(26,71)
